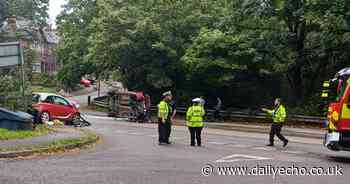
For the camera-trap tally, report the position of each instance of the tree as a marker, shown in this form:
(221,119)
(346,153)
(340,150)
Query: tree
(35,10)
(229,48)
(74,25)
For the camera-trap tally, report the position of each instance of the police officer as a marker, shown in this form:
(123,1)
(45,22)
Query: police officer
(194,121)
(164,118)
(278,116)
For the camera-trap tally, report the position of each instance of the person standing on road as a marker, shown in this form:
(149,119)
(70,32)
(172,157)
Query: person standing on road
(148,108)
(278,116)
(173,108)
(194,121)
(202,101)
(173,114)
(164,118)
(217,108)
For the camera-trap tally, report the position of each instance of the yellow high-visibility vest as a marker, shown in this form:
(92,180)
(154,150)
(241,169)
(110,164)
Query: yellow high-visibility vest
(278,115)
(194,116)
(163,110)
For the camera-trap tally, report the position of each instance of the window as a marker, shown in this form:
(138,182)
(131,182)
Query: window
(49,99)
(60,101)
(342,90)
(36,67)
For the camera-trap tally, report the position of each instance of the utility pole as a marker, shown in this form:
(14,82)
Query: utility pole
(23,77)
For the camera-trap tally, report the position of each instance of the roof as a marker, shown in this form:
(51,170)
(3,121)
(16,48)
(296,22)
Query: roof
(341,73)
(22,24)
(28,28)
(43,96)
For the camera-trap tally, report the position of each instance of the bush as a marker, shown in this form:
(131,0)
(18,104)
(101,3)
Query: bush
(313,106)
(10,92)
(48,80)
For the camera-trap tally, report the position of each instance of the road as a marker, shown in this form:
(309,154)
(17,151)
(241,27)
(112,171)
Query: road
(129,153)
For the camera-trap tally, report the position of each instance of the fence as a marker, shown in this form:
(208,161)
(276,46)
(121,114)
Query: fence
(103,102)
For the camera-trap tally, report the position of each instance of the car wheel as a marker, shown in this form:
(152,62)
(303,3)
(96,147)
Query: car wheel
(45,117)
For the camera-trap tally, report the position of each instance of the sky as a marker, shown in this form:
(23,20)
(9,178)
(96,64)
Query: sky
(55,9)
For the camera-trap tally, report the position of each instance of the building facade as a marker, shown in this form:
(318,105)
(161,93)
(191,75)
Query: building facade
(43,41)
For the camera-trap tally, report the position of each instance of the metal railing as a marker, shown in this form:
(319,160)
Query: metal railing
(103,102)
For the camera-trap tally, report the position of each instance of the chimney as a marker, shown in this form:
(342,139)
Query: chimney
(12,23)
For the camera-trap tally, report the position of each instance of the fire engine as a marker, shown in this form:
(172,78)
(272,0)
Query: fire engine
(337,137)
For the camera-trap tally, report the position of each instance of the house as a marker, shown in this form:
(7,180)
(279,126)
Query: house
(49,62)
(42,40)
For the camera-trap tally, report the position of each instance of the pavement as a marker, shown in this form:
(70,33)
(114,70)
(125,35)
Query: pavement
(129,153)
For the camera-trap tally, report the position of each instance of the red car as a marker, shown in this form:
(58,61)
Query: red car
(85,82)
(51,106)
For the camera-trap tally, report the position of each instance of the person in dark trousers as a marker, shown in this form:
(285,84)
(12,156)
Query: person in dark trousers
(164,118)
(173,107)
(278,116)
(172,118)
(148,108)
(194,121)
(217,108)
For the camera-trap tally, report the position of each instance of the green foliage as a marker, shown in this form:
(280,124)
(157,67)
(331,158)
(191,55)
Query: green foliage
(75,30)
(213,51)
(47,80)
(10,91)
(246,51)
(42,89)
(70,75)
(35,10)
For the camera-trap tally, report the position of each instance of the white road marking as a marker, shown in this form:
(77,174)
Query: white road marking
(218,143)
(99,117)
(240,157)
(294,152)
(264,148)
(241,146)
(136,133)
(105,118)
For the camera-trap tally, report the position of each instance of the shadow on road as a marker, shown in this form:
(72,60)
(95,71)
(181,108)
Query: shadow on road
(340,159)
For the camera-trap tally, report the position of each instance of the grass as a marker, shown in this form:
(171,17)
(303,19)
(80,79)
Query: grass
(55,146)
(42,89)
(22,134)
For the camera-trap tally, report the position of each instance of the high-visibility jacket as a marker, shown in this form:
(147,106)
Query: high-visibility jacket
(163,110)
(278,115)
(194,116)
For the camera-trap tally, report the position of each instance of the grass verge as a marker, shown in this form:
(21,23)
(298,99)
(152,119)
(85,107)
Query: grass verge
(43,89)
(50,147)
(22,134)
